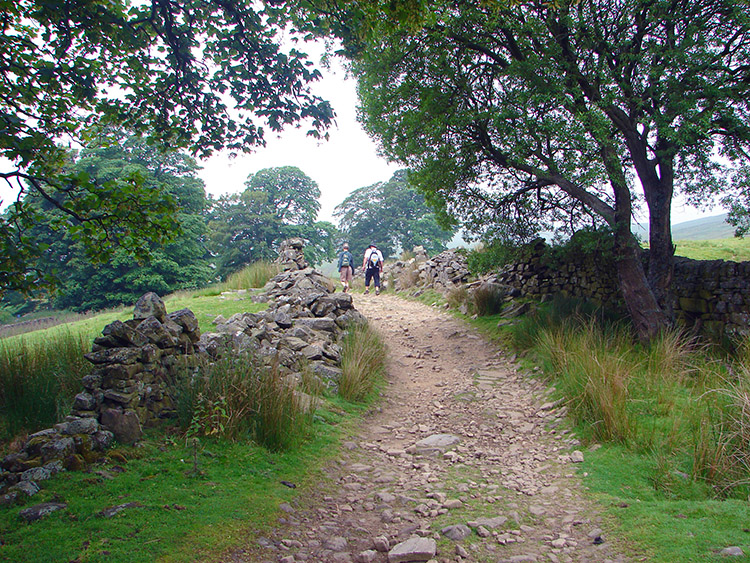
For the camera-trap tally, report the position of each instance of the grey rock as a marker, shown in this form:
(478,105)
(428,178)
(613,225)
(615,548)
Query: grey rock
(114,510)
(381,544)
(436,443)
(80,426)
(186,319)
(125,425)
(336,543)
(456,532)
(413,549)
(150,305)
(732,551)
(28,488)
(38,511)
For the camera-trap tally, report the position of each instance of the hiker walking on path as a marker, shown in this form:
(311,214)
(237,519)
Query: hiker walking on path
(346,266)
(372,266)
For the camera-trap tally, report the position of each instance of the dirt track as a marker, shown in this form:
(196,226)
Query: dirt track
(511,480)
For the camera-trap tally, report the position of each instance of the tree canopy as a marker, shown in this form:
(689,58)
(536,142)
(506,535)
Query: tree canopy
(277,203)
(392,215)
(517,116)
(82,283)
(195,75)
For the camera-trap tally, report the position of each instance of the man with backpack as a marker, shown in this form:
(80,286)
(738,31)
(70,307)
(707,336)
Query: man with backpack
(372,266)
(346,266)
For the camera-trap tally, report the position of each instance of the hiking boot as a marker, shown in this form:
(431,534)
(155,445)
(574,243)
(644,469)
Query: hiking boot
(377,292)
(366,291)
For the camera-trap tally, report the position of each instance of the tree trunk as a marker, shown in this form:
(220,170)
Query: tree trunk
(661,253)
(648,317)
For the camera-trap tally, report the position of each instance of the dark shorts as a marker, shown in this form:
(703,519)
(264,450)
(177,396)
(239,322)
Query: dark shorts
(372,274)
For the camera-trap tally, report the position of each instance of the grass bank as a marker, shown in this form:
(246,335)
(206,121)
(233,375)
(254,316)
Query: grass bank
(665,429)
(213,482)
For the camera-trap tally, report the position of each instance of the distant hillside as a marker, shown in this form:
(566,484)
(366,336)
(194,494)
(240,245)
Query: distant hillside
(708,228)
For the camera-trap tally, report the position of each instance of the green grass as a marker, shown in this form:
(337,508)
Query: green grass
(735,249)
(184,514)
(683,526)
(38,380)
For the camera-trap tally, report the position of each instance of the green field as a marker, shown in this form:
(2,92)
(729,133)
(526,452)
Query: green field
(734,249)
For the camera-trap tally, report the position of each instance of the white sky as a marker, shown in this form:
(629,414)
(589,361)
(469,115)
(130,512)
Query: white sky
(347,161)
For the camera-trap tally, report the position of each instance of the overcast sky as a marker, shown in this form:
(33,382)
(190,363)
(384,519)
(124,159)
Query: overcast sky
(347,161)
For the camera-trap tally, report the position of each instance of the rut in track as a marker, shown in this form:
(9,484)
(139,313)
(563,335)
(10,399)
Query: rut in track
(510,481)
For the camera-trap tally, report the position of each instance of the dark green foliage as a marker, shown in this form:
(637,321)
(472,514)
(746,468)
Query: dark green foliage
(84,283)
(393,215)
(278,203)
(594,243)
(491,257)
(201,76)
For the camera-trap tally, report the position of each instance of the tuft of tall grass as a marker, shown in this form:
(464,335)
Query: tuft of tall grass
(722,445)
(488,300)
(592,371)
(38,381)
(240,397)
(363,357)
(255,275)
(409,276)
(458,297)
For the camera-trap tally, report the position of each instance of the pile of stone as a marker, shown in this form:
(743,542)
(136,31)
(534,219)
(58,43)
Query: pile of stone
(444,272)
(291,255)
(137,365)
(301,328)
(132,385)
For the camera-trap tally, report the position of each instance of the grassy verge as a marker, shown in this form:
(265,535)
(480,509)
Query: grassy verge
(209,490)
(665,428)
(41,371)
(735,249)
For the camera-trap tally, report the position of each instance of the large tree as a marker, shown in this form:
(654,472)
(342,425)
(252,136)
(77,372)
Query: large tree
(277,203)
(571,111)
(83,283)
(201,75)
(392,215)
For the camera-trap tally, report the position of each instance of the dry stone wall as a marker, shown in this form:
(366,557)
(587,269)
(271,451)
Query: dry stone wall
(712,297)
(137,365)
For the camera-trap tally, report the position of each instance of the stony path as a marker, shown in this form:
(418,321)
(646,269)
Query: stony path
(506,490)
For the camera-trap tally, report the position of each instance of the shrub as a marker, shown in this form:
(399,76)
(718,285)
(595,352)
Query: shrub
(488,300)
(363,357)
(39,380)
(490,258)
(240,397)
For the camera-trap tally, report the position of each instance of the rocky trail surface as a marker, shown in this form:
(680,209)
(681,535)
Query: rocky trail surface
(462,461)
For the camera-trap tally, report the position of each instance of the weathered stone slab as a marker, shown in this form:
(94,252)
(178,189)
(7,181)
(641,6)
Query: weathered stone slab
(436,443)
(39,511)
(413,549)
